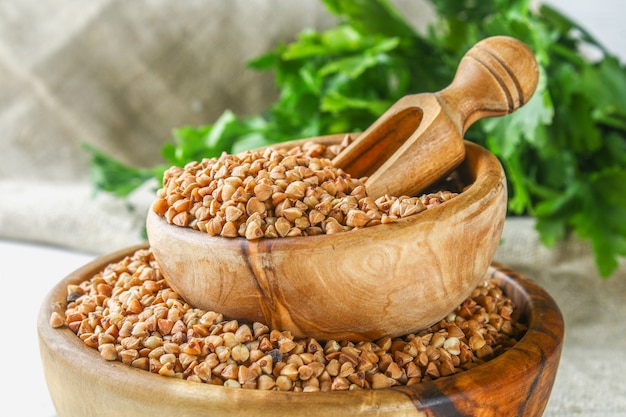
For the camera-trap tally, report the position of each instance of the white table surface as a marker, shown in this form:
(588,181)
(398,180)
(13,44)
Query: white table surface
(28,272)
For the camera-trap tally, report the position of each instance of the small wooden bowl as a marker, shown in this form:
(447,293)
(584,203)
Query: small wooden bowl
(516,383)
(385,280)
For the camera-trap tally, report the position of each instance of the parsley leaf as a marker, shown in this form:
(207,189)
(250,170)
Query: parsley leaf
(564,152)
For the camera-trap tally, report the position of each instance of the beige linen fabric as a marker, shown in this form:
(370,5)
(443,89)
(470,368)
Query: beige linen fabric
(121,75)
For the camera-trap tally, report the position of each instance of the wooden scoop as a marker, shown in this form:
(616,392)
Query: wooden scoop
(419,140)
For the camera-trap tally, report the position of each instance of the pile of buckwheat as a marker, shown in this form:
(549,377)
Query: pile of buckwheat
(130,314)
(277,193)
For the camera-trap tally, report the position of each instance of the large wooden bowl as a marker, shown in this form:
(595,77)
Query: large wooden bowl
(517,383)
(385,280)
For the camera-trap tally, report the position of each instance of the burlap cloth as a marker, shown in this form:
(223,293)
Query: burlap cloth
(121,75)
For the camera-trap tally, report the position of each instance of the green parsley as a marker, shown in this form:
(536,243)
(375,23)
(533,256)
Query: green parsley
(564,152)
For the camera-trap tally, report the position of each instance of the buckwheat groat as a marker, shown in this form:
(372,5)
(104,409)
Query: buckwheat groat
(129,314)
(278,193)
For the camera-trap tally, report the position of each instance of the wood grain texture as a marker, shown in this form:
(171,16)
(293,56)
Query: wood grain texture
(517,383)
(419,139)
(355,285)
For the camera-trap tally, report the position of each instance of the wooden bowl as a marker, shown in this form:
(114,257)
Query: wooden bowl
(516,383)
(385,280)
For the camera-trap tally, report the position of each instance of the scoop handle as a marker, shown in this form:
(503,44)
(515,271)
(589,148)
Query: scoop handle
(497,76)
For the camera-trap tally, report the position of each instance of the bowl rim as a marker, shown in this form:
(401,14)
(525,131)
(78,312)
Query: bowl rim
(541,344)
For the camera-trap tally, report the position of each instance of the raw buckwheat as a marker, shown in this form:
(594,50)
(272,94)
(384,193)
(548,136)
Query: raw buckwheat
(279,193)
(129,314)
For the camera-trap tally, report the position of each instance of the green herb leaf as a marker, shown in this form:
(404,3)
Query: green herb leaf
(564,152)
(109,175)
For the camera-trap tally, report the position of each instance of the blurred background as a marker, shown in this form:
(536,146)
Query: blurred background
(121,76)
